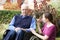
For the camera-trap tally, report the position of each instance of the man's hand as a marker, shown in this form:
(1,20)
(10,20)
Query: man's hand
(23,29)
(16,29)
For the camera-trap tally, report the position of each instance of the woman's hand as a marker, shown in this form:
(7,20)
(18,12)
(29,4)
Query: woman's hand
(38,22)
(38,25)
(33,31)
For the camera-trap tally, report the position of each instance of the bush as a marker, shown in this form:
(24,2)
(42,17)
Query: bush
(7,15)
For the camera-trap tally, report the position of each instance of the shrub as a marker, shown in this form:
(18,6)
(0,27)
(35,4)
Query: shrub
(7,15)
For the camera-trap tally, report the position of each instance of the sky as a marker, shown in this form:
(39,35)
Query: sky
(2,1)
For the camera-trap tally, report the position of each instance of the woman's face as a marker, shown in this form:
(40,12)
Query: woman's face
(44,20)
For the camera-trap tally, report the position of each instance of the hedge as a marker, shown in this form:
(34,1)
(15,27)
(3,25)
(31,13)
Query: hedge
(7,15)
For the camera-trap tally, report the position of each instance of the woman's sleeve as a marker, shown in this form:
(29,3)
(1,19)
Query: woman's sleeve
(50,31)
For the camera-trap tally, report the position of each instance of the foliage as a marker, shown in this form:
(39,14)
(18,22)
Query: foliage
(7,15)
(11,6)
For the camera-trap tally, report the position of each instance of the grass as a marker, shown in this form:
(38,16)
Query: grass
(58,38)
(3,27)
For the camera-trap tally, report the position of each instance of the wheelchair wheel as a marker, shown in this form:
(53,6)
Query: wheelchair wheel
(34,38)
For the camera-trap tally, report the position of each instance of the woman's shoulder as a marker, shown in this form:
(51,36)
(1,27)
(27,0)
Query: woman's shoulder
(53,26)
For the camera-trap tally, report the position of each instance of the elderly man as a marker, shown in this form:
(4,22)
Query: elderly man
(21,23)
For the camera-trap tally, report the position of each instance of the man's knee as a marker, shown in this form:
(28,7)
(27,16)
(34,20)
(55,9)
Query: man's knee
(9,33)
(13,35)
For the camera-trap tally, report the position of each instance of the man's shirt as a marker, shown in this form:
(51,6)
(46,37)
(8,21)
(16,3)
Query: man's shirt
(33,24)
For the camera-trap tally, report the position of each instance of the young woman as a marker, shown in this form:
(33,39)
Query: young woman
(48,30)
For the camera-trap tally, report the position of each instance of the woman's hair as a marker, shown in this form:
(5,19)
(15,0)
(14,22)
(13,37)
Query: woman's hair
(49,16)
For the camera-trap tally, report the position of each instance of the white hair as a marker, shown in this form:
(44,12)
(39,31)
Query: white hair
(24,6)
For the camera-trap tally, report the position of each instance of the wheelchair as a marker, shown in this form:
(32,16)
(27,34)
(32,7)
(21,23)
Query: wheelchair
(27,36)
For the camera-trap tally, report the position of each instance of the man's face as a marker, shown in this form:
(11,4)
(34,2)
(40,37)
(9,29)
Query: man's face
(24,11)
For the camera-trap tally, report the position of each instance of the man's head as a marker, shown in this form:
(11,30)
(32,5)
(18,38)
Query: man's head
(25,9)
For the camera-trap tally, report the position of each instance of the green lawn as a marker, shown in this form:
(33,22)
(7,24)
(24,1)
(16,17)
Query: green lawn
(3,27)
(58,38)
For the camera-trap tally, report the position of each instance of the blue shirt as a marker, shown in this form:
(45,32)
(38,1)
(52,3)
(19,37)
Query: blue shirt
(33,24)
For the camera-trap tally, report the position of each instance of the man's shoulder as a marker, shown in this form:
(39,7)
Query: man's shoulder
(17,15)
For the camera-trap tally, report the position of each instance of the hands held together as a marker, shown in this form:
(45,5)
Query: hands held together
(18,28)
